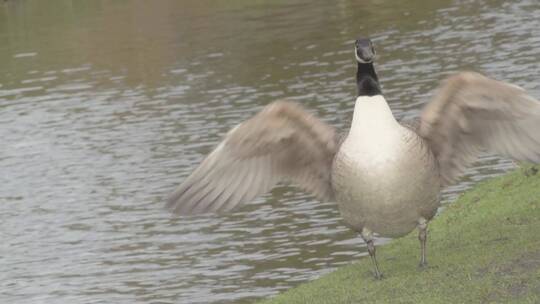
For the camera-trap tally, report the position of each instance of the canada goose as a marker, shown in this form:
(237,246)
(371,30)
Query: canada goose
(385,176)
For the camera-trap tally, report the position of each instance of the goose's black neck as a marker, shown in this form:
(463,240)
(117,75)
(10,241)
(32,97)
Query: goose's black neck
(367,80)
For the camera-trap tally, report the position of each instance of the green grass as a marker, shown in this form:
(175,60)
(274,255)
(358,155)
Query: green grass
(483,248)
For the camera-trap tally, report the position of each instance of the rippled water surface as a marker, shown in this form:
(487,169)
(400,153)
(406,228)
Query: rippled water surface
(106,106)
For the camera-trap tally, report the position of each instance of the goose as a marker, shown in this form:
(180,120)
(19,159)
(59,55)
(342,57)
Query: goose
(385,176)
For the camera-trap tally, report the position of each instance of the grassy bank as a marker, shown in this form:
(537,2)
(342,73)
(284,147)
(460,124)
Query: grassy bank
(484,248)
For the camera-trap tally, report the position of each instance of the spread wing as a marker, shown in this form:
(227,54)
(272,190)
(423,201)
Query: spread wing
(283,142)
(471,113)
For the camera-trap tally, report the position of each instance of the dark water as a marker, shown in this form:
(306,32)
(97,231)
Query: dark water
(106,106)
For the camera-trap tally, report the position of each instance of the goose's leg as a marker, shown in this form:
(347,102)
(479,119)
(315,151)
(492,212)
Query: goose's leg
(422,236)
(367,235)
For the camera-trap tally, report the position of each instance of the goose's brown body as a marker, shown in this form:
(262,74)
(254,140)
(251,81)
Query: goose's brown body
(384,176)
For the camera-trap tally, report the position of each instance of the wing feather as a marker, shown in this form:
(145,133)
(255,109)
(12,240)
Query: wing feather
(283,142)
(472,113)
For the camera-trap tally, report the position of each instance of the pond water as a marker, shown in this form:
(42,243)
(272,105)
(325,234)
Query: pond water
(106,106)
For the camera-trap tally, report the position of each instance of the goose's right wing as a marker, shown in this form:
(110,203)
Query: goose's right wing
(283,142)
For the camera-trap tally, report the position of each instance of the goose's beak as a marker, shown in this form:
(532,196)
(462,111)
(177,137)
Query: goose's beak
(364,54)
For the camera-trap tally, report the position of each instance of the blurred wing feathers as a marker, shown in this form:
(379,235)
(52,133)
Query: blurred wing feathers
(472,113)
(283,142)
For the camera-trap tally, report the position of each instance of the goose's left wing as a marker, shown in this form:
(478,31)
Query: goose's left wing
(471,113)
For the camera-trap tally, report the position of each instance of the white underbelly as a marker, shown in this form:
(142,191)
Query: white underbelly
(386,183)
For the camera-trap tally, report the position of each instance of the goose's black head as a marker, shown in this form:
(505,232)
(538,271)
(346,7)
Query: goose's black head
(364,50)
(367,81)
